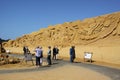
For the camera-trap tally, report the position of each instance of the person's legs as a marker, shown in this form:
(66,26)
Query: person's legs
(49,60)
(37,61)
(40,61)
(54,56)
(71,59)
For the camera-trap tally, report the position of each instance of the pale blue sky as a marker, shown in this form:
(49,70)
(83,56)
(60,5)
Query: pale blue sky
(19,17)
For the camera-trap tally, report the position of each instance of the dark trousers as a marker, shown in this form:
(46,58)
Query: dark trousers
(37,61)
(72,58)
(49,59)
(54,56)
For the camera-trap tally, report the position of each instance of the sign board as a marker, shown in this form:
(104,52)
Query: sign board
(88,55)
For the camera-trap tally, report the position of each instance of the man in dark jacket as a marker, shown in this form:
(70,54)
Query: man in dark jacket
(72,54)
(54,53)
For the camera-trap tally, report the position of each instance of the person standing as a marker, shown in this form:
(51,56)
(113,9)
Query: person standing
(38,55)
(54,53)
(57,52)
(49,55)
(41,56)
(25,50)
(72,53)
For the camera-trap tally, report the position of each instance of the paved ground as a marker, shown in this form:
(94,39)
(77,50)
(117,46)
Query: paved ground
(114,74)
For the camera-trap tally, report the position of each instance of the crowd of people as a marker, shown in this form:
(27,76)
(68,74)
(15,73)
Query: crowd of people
(39,54)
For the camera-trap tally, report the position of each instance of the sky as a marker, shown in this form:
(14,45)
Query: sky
(20,17)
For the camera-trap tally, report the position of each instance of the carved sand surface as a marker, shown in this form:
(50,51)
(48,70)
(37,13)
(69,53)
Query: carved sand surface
(75,33)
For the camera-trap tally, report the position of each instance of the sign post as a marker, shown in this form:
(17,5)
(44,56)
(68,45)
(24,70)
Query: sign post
(88,56)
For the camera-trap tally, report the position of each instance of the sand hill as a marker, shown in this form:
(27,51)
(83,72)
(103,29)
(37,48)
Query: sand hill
(78,32)
(100,35)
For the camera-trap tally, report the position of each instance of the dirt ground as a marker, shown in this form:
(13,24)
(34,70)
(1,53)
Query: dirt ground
(60,72)
(66,72)
(103,56)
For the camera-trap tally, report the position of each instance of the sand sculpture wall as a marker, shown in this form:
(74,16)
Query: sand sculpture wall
(98,31)
(72,33)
